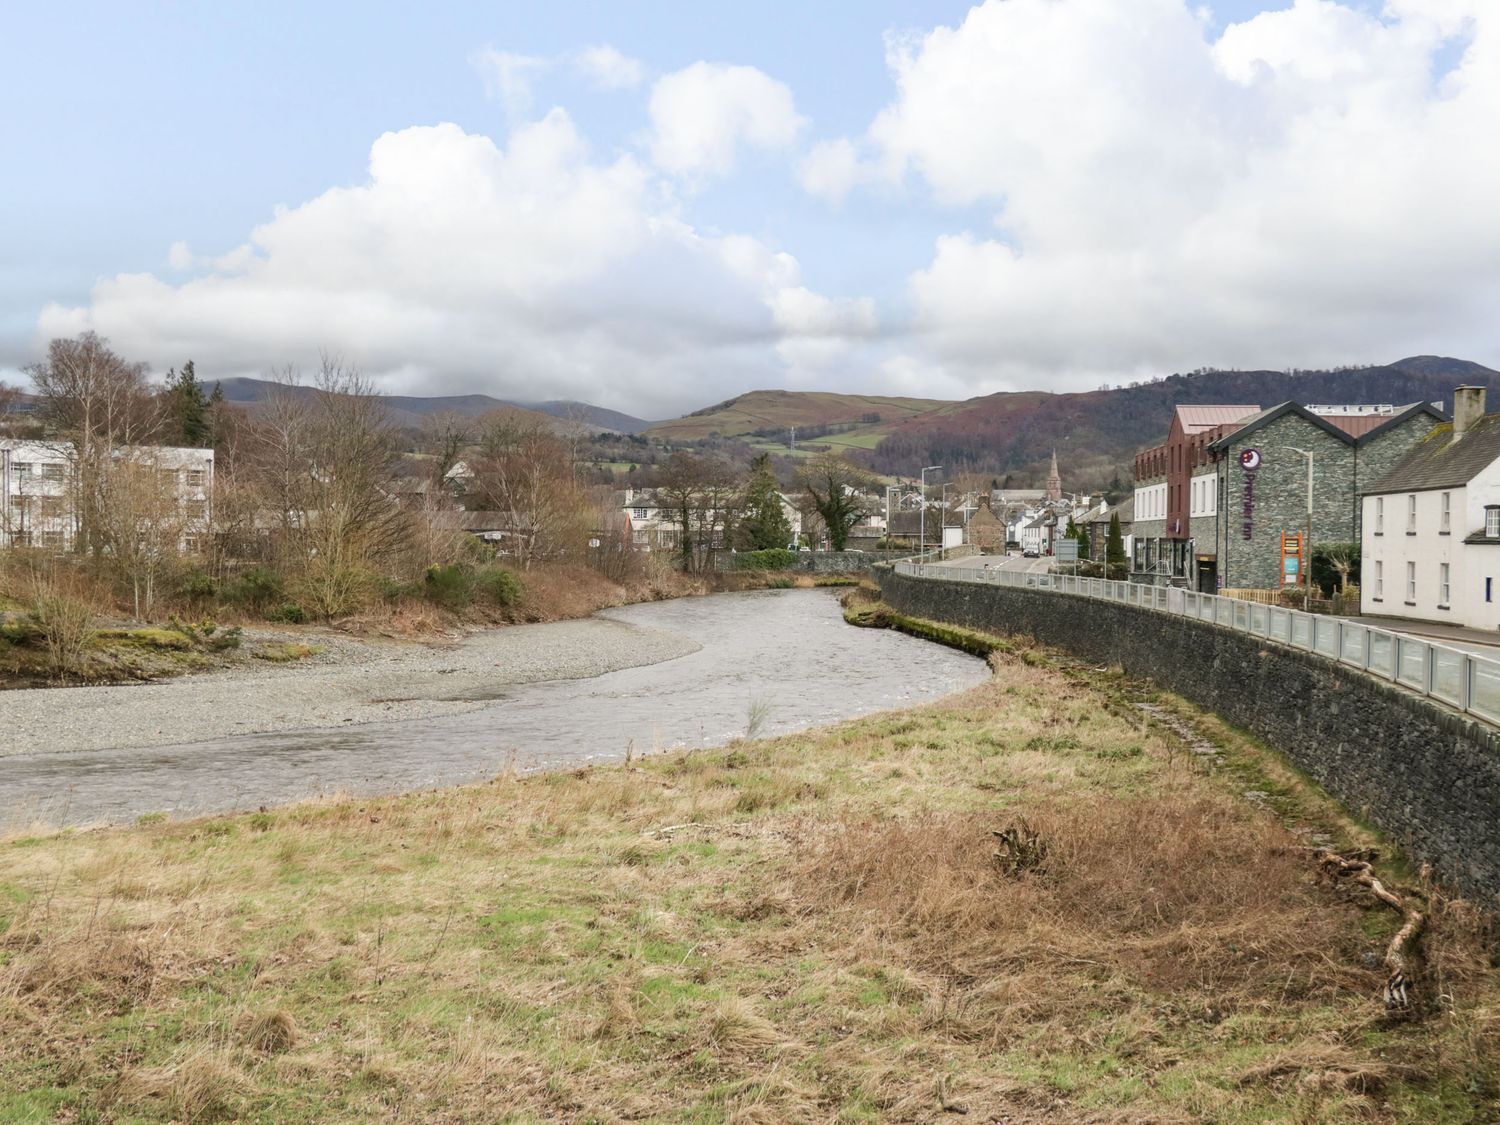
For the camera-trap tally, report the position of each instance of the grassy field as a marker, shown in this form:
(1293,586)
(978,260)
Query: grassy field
(814,927)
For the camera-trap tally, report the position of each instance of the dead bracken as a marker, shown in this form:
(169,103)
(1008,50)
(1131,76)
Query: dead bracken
(979,908)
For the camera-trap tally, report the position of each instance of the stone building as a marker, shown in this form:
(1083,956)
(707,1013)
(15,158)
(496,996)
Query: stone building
(986,530)
(1054,480)
(1097,526)
(1260,485)
(1212,502)
(1163,486)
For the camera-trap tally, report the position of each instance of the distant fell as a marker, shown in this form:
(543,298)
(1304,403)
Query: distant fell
(766,413)
(409,410)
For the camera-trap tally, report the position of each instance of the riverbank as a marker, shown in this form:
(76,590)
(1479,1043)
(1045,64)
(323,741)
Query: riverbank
(342,681)
(812,927)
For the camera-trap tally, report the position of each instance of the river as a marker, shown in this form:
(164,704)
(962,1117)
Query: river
(776,660)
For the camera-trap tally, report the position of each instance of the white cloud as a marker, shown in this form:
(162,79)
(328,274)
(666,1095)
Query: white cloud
(533,272)
(818,332)
(180,256)
(1303,189)
(701,115)
(830,169)
(508,77)
(608,69)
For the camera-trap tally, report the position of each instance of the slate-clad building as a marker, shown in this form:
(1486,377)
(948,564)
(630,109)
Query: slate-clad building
(1262,479)
(1212,502)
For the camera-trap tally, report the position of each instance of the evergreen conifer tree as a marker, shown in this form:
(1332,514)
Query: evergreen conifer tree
(188,406)
(1115,562)
(764,524)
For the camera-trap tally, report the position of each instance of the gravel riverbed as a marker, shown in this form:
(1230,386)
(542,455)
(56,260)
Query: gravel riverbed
(351,681)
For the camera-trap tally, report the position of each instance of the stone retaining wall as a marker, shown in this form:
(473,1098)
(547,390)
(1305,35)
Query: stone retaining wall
(1427,776)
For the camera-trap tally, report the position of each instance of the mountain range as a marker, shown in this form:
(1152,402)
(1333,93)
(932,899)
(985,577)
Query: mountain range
(1097,433)
(1008,434)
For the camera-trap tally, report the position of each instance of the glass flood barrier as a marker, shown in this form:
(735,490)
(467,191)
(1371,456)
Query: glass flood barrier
(1469,682)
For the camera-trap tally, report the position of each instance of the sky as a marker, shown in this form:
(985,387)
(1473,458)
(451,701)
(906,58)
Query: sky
(657,205)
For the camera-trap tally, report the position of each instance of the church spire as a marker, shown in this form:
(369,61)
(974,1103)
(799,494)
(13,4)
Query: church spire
(1054,480)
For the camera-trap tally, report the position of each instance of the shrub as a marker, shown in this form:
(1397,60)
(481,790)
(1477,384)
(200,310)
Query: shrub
(773,558)
(288,613)
(501,586)
(393,589)
(65,622)
(196,586)
(450,586)
(256,588)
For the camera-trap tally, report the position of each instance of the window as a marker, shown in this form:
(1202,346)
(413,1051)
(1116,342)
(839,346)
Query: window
(1411,583)
(1447,510)
(1489,588)
(195,478)
(1443,584)
(18,503)
(1380,515)
(21,468)
(1411,513)
(1492,523)
(190,544)
(639,513)
(1379,579)
(52,472)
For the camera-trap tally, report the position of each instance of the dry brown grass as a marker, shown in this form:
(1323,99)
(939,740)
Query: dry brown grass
(808,928)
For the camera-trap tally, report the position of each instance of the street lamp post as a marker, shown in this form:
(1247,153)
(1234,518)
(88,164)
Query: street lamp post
(1307,536)
(922,518)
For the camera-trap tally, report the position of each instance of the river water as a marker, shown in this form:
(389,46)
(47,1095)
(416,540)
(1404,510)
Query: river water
(781,659)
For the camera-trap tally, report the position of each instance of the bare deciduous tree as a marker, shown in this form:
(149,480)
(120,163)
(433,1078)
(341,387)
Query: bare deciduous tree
(94,399)
(444,438)
(704,496)
(144,524)
(523,472)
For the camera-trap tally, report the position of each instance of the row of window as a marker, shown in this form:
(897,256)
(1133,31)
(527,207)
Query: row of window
(49,507)
(1445,589)
(54,471)
(49,470)
(1151,502)
(191,544)
(1204,496)
(1445,515)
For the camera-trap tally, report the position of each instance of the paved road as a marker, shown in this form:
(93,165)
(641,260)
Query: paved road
(997,562)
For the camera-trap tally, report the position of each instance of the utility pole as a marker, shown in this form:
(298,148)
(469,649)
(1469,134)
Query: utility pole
(1306,561)
(922,519)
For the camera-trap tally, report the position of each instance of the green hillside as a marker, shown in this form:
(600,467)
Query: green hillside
(858,421)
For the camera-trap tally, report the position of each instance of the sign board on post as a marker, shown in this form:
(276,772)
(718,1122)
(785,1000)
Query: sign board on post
(1291,559)
(1065,550)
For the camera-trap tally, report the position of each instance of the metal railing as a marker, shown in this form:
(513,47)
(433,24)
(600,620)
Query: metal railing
(1464,680)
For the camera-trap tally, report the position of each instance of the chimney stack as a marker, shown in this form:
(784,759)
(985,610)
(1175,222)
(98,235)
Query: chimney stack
(1468,408)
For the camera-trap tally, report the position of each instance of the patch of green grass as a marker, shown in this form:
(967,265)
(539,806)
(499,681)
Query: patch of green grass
(284,652)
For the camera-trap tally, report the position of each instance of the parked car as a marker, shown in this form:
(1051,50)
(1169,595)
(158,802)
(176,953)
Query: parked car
(1031,553)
